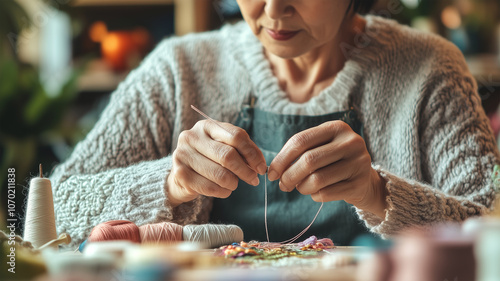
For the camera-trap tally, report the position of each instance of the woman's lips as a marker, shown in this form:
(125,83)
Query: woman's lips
(281,35)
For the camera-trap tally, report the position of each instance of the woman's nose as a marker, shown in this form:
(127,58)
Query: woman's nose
(277,9)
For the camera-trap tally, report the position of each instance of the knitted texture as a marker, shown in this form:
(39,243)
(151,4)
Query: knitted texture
(424,127)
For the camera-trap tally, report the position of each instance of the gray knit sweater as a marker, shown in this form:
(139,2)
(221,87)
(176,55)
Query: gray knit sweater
(424,127)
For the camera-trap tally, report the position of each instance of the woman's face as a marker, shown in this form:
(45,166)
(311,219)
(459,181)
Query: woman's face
(291,28)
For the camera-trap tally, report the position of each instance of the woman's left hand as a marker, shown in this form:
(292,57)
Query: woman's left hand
(330,162)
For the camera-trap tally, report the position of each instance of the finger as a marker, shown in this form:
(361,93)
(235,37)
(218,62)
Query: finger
(239,139)
(313,160)
(206,168)
(327,176)
(228,157)
(303,141)
(214,172)
(182,177)
(192,183)
(335,192)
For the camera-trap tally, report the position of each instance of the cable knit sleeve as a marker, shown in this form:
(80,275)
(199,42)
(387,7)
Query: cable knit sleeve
(119,170)
(458,153)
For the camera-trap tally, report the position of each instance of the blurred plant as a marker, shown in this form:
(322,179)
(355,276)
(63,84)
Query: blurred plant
(474,21)
(424,8)
(13,18)
(28,113)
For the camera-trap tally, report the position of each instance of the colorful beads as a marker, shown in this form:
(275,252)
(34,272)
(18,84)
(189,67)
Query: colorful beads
(268,251)
(317,247)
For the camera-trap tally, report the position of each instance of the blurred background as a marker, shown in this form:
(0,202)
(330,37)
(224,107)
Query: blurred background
(61,59)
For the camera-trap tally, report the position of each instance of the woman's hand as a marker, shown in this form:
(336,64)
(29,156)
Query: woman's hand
(210,159)
(330,162)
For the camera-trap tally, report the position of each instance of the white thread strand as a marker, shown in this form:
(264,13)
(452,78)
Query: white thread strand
(265,204)
(293,239)
(40,224)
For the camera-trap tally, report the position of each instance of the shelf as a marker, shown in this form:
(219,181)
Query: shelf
(82,3)
(99,78)
(190,15)
(485,68)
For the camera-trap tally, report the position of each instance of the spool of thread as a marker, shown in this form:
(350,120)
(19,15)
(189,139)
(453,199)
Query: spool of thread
(164,231)
(443,253)
(488,251)
(40,224)
(115,230)
(211,235)
(113,248)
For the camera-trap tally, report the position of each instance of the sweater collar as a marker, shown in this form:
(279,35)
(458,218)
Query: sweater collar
(265,85)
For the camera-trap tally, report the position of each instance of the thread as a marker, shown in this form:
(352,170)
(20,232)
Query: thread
(63,238)
(165,231)
(116,230)
(40,223)
(293,239)
(212,235)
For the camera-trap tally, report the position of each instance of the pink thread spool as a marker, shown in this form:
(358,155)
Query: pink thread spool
(115,230)
(442,254)
(160,232)
(435,254)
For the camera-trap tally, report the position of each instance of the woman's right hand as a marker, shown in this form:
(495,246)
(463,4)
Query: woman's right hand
(210,159)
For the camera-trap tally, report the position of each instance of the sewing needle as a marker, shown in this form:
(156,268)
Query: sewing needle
(209,118)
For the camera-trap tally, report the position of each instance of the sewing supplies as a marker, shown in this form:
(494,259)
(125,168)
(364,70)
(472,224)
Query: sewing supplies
(40,225)
(485,232)
(291,240)
(25,262)
(115,230)
(63,238)
(211,235)
(155,233)
(262,252)
(114,248)
(487,251)
(75,266)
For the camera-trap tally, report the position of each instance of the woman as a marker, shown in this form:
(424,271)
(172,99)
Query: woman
(346,110)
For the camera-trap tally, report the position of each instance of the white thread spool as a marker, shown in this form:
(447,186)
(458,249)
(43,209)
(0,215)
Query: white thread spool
(487,250)
(40,224)
(212,235)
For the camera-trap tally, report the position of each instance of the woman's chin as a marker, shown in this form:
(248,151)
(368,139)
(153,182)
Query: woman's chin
(285,52)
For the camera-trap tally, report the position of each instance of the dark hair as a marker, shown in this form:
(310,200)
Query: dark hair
(361,6)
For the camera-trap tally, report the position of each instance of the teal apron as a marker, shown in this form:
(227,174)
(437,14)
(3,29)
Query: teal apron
(287,213)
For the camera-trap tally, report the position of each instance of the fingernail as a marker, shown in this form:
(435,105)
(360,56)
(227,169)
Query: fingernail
(255,181)
(283,187)
(273,175)
(262,169)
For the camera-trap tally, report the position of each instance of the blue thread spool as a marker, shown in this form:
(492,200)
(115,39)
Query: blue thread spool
(82,246)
